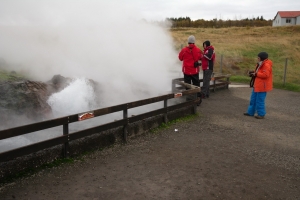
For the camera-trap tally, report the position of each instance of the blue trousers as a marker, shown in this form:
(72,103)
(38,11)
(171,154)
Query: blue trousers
(257,103)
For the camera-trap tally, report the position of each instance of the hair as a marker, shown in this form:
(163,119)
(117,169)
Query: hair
(207,43)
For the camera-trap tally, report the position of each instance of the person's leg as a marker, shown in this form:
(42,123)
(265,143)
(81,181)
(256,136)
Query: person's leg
(205,86)
(260,103)
(209,73)
(252,105)
(196,82)
(187,79)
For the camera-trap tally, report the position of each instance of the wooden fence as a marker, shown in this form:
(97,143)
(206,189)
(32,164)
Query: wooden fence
(178,89)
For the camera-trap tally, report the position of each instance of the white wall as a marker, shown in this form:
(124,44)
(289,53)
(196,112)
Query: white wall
(278,21)
(298,20)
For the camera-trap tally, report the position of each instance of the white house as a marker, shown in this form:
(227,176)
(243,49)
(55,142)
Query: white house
(287,18)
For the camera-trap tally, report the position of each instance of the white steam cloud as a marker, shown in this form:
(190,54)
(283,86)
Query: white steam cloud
(78,97)
(104,41)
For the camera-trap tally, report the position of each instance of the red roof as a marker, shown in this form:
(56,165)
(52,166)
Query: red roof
(286,14)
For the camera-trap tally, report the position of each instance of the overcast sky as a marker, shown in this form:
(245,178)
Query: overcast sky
(220,9)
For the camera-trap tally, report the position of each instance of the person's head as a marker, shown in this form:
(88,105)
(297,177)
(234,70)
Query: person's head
(206,43)
(191,39)
(262,56)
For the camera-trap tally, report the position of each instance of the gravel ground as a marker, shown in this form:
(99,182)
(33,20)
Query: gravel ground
(221,154)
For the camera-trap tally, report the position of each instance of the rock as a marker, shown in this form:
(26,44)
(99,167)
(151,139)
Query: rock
(26,100)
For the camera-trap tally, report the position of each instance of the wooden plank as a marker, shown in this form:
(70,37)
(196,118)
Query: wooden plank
(97,129)
(146,115)
(12,154)
(149,101)
(108,110)
(21,130)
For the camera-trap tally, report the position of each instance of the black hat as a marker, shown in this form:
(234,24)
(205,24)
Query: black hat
(207,42)
(263,55)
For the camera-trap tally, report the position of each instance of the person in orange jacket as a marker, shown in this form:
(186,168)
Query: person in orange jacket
(262,82)
(190,55)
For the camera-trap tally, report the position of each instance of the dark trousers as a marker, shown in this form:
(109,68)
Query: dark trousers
(192,79)
(206,81)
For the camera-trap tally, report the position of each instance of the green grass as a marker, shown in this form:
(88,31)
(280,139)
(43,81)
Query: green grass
(168,124)
(6,76)
(279,85)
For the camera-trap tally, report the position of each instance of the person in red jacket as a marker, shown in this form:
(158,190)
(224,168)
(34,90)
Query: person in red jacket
(208,59)
(190,55)
(262,82)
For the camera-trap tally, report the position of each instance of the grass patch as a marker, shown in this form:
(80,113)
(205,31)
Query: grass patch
(279,85)
(288,86)
(168,124)
(12,76)
(240,79)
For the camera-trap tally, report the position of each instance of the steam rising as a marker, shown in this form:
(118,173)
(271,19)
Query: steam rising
(97,40)
(107,42)
(85,99)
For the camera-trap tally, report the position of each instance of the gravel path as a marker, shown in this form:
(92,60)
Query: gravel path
(221,154)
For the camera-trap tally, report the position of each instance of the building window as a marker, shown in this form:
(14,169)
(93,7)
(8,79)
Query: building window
(288,20)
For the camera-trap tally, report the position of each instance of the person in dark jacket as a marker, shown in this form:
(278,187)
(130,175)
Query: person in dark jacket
(208,59)
(189,55)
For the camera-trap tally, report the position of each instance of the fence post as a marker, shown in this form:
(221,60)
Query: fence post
(66,144)
(125,127)
(285,68)
(166,113)
(221,63)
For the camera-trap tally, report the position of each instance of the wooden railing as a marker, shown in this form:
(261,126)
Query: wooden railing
(178,89)
(66,137)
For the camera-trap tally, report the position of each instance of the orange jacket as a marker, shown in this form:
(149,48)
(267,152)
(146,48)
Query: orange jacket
(263,80)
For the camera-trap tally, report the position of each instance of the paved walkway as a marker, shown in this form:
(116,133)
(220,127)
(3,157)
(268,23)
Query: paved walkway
(221,154)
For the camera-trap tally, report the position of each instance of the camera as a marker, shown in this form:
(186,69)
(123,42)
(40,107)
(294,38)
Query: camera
(251,73)
(197,64)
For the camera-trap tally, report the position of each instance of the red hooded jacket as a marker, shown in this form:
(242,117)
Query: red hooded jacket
(189,55)
(208,58)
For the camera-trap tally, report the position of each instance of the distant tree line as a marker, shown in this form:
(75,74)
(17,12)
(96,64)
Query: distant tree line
(218,23)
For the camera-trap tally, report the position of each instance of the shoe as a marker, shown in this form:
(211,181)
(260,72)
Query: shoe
(259,117)
(247,114)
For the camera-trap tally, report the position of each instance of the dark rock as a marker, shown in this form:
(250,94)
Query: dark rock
(25,98)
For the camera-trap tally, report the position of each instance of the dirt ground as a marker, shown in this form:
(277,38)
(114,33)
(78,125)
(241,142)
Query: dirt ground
(221,154)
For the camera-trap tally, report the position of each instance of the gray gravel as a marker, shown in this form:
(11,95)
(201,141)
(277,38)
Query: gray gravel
(221,154)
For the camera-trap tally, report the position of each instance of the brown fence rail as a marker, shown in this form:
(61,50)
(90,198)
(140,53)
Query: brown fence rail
(178,87)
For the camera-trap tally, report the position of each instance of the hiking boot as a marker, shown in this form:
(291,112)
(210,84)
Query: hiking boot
(259,117)
(247,114)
